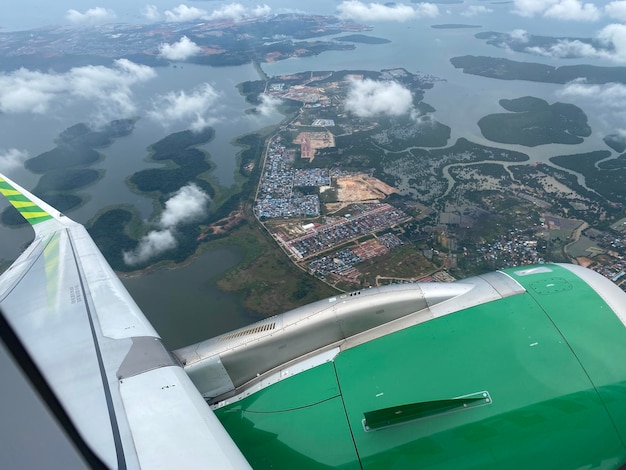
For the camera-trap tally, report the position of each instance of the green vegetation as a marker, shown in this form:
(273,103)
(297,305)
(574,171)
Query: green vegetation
(189,163)
(70,179)
(173,143)
(610,183)
(265,280)
(76,144)
(505,69)
(614,163)
(251,90)
(109,233)
(535,122)
(404,262)
(62,168)
(362,38)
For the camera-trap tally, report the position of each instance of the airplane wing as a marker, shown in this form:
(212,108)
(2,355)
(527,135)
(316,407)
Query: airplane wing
(124,393)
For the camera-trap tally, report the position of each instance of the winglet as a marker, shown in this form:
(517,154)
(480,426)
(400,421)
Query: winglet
(33,209)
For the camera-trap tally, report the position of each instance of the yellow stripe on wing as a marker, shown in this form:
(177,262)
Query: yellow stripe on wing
(29,210)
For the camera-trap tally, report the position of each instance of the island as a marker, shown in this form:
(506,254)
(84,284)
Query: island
(222,43)
(506,69)
(534,44)
(364,39)
(64,168)
(532,121)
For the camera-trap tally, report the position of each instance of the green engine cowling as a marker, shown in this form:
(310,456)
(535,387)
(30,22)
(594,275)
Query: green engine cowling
(535,379)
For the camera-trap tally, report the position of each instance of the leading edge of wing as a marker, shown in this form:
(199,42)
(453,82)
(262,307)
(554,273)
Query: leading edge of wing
(100,355)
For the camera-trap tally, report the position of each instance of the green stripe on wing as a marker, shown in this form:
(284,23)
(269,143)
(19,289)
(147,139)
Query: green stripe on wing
(29,210)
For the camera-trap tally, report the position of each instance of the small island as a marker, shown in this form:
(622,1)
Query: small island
(63,168)
(506,69)
(362,38)
(534,44)
(532,121)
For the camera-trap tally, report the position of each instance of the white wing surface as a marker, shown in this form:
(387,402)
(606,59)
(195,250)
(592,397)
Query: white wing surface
(128,398)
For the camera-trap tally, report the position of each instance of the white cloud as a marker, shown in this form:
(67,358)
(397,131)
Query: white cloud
(573,10)
(237,12)
(108,88)
(359,11)
(369,98)
(530,8)
(519,35)
(195,109)
(180,50)
(617,10)
(232,11)
(92,16)
(151,12)
(612,95)
(475,10)
(565,48)
(189,203)
(612,37)
(567,10)
(12,158)
(186,205)
(269,105)
(183,13)
(151,245)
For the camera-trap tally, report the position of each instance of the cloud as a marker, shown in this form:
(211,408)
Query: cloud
(195,109)
(12,158)
(612,95)
(233,11)
(573,10)
(92,16)
(616,10)
(186,205)
(180,50)
(189,203)
(269,105)
(519,35)
(566,48)
(475,10)
(613,36)
(151,12)
(108,88)
(369,98)
(566,10)
(237,12)
(183,13)
(151,245)
(359,11)
(612,39)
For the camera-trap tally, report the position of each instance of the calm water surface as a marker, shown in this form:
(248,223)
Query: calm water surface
(184,304)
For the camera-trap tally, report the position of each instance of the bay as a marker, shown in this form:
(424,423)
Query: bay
(184,305)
